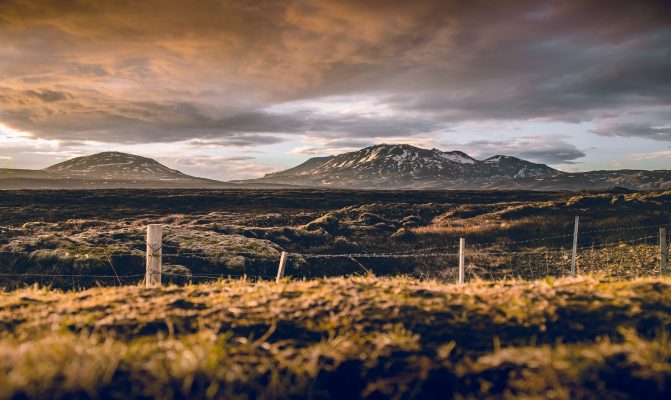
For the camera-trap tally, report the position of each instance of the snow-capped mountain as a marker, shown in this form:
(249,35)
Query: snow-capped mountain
(114,165)
(405,166)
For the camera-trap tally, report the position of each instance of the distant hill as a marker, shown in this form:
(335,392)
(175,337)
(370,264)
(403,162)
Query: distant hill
(110,170)
(112,165)
(401,166)
(597,180)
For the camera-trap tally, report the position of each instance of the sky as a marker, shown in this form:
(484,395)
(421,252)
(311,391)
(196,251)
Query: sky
(236,89)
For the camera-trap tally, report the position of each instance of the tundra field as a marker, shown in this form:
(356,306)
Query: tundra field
(368,308)
(90,238)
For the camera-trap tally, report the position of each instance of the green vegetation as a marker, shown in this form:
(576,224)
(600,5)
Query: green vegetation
(341,338)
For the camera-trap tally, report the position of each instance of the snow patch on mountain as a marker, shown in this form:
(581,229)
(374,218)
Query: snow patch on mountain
(405,166)
(115,165)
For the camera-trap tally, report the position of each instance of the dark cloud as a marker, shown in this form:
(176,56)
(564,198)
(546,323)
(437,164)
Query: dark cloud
(332,146)
(553,156)
(199,159)
(548,149)
(636,130)
(170,70)
(48,96)
(236,141)
(101,119)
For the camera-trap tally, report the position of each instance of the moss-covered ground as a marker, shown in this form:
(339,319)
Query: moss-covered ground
(242,232)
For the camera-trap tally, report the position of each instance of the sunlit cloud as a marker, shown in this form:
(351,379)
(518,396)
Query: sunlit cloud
(310,77)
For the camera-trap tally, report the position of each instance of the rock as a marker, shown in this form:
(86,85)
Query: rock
(410,221)
(175,274)
(384,227)
(327,221)
(341,243)
(236,262)
(403,234)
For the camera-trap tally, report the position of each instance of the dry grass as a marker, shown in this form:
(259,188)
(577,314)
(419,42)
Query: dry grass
(340,338)
(242,233)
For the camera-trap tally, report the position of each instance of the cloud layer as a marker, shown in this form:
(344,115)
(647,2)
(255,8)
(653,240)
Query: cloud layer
(248,73)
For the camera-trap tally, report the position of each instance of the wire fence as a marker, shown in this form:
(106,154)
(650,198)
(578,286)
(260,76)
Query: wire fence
(633,252)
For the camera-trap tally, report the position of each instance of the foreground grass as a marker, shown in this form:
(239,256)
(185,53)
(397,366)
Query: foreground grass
(341,338)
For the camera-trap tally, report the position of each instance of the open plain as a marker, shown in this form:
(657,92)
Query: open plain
(368,298)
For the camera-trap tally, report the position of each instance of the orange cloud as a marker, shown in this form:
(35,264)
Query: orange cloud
(173,70)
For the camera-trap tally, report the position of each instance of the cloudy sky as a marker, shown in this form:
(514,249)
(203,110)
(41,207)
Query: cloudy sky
(235,89)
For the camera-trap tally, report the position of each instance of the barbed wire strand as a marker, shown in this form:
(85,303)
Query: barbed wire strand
(31,274)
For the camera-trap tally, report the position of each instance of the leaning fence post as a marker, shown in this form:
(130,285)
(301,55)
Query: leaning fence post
(280,268)
(663,252)
(462,268)
(574,255)
(154,254)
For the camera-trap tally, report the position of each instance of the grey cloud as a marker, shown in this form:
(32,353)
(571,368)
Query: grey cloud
(332,146)
(550,149)
(87,70)
(636,130)
(553,156)
(432,63)
(546,78)
(305,121)
(200,159)
(239,158)
(237,141)
(101,119)
(48,96)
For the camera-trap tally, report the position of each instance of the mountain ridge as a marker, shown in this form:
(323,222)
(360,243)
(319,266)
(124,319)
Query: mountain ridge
(406,166)
(383,166)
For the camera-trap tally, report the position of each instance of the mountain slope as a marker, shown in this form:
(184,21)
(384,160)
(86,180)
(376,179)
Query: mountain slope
(104,170)
(112,170)
(596,180)
(307,166)
(115,165)
(404,166)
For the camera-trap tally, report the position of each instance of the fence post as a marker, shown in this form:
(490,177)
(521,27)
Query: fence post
(462,268)
(574,255)
(663,252)
(282,266)
(154,254)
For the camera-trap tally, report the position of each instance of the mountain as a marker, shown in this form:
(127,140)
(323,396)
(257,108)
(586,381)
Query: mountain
(108,170)
(407,167)
(112,165)
(401,166)
(396,166)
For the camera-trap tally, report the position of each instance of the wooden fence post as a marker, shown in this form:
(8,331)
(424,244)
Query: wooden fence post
(154,254)
(663,252)
(281,267)
(574,255)
(462,267)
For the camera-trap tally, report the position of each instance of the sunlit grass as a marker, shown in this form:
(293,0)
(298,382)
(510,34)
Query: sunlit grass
(335,338)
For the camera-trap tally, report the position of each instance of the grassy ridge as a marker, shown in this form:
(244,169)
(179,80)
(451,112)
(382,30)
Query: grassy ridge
(341,338)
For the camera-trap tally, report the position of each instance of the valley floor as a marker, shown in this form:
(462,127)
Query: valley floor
(341,338)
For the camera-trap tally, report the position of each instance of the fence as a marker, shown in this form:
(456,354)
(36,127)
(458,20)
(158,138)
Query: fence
(638,251)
